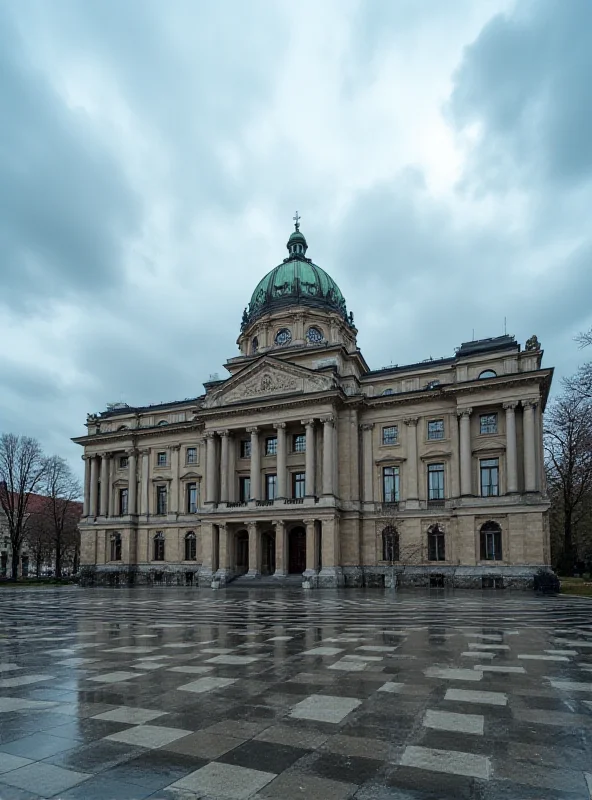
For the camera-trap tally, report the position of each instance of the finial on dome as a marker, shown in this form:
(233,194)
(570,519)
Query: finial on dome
(297,243)
(297,219)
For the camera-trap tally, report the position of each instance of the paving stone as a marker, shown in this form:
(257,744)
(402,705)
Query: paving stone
(47,777)
(453,674)
(148,735)
(325,708)
(225,781)
(456,763)
(293,785)
(206,685)
(133,716)
(450,721)
(467,696)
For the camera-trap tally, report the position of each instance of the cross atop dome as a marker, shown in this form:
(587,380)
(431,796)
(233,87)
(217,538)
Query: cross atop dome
(297,219)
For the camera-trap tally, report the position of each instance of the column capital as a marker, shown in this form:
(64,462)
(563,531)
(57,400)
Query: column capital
(175,447)
(464,412)
(251,526)
(309,521)
(411,421)
(308,422)
(510,406)
(367,426)
(530,402)
(279,425)
(145,451)
(330,420)
(85,457)
(252,430)
(209,434)
(131,452)
(223,433)
(278,522)
(107,454)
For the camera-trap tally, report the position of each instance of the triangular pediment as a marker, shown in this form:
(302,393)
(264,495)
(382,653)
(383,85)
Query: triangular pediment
(267,377)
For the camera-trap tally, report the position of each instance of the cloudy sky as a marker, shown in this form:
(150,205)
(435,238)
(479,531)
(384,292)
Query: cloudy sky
(152,155)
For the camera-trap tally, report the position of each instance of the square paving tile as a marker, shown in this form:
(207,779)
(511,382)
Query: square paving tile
(38,746)
(9,762)
(292,785)
(325,708)
(225,781)
(133,716)
(203,744)
(148,735)
(268,756)
(456,763)
(208,684)
(47,777)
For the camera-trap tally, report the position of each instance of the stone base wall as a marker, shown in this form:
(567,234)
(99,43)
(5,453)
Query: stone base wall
(167,575)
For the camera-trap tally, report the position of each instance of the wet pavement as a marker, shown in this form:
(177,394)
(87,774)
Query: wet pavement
(180,693)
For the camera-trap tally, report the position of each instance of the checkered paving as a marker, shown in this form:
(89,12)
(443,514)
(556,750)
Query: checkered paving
(178,693)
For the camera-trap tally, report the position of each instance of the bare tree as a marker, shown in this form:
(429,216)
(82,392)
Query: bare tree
(568,450)
(39,538)
(62,490)
(396,550)
(22,468)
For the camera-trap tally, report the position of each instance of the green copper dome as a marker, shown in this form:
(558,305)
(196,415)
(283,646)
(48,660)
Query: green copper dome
(297,281)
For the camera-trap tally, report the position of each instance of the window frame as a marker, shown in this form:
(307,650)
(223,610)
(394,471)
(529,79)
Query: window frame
(396,484)
(298,485)
(158,546)
(191,508)
(436,543)
(244,482)
(491,532)
(270,481)
(123,505)
(190,539)
(245,448)
(270,450)
(440,430)
(123,462)
(487,467)
(162,462)
(161,492)
(115,546)
(391,544)
(395,438)
(436,468)
(193,459)
(484,426)
(299,443)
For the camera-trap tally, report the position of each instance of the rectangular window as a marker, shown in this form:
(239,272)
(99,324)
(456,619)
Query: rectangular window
(299,443)
(123,495)
(390,434)
(244,489)
(491,545)
(271,446)
(489,468)
(298,484)
(122,462)
(161,499)
(436,545)
(436,429)
(191,455)
(245,448)
(488,423)
(115,554)
(435,481)
(192,498)
(161,459)
(390,484)
(270,487)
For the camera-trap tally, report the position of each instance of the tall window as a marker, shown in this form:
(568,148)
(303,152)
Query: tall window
(161,459)
(159,546)
(190,547)
(491,542)
(488,423)
(390,484)
(436,429)
(436,544)
(191,455)
(122,462)
(489,469)
(435,481)
(192,498)
(390,434)
(123,506)
(298,484)
(390,544)
(161,499)
(271,446)
(244,489)
(115,547)
(299,443)
(245,448)
(270,487)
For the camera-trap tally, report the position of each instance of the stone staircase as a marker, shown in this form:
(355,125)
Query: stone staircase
(267,580)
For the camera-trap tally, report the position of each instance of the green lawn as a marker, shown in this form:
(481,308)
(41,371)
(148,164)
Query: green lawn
(579,586)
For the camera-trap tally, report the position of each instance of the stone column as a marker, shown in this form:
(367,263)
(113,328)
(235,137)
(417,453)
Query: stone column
(280,428)
(132,481)
(255,464)
(331,573)
(328,453)
(113,510)
(254,549)
(207,553)
(354,441)
(311,548)
(530,476)
(281,549)
(231,468)
(309,485)
(105,458)
(87,484)
(511,451)
(225,554)
(412,488)
(224,459)
(94,485)
(367,429)
(144,499)
(465,452)
(174,499)
(210,467)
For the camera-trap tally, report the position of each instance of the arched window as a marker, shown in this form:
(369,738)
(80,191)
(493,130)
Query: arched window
(115,547)
(436,543)
(190,547)
(254,345)
(488,373)
(123,428)
(314,335)
(390,544)
(491,541)
(163,422)
(388,391)
(159,546)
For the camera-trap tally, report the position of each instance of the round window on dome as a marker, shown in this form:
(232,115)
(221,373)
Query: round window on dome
(283,337)
(315,335)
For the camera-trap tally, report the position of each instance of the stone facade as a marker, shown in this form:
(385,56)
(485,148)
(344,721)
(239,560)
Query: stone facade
(306,461)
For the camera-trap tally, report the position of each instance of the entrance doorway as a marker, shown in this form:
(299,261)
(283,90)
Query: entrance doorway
(297,551)
(242,552)
(268,553)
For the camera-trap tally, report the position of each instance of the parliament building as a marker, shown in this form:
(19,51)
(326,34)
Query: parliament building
(306,466)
